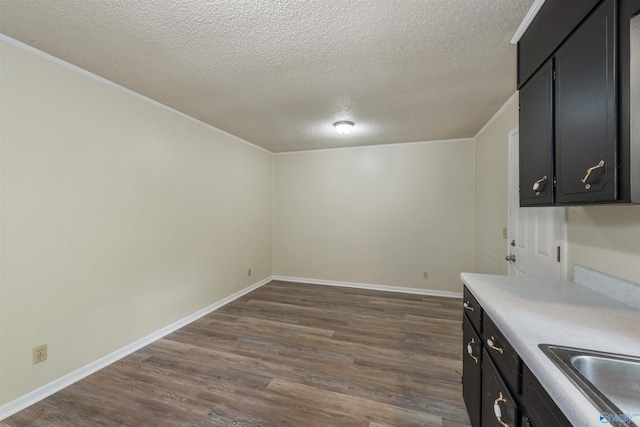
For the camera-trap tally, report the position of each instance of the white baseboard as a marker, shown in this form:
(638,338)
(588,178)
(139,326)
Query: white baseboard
(35,396)
(417,291)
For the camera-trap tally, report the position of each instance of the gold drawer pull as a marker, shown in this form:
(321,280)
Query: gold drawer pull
(591,169)
(491,344)
(467,305)
(470,350)
(497,411)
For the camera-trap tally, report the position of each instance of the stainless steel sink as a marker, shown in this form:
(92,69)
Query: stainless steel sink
(610,381)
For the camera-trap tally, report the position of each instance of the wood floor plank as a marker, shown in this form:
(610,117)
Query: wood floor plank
(272,325)
(341,405)
(286,354)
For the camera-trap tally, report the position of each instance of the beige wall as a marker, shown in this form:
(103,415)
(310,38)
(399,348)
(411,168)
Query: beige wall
(491,163)
(118,218)
(605,238)
(378,215)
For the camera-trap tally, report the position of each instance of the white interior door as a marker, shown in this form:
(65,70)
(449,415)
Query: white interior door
(536,238)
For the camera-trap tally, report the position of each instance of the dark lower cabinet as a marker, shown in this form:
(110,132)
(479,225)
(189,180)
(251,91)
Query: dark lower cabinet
(499,408)
(472,311)
(502,354)
(471,372)
(538,408)
(498,388)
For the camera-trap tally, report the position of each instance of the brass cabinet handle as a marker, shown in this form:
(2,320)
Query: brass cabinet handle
(497,411)
(467,305)
(591,169)
(537,186)
(470,350)
(491,344)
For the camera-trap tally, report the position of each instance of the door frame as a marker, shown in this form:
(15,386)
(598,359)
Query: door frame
(513,199)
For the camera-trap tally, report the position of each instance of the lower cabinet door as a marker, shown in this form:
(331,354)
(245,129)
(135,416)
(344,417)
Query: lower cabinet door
(538,409)
(471,372)
(499,408)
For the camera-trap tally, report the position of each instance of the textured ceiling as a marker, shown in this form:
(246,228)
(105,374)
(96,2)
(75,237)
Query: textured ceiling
(278,73)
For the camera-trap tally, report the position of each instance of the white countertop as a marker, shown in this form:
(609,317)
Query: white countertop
(531,311)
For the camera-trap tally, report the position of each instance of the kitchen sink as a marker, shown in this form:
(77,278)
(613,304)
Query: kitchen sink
(610,381)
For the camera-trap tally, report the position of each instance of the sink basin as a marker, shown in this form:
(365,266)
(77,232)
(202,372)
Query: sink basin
(610,381)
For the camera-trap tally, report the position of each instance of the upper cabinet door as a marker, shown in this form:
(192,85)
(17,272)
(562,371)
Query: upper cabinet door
(555,20)
(585,111)
(536,138)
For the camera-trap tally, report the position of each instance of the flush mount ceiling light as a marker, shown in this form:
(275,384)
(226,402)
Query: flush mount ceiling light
(343,127)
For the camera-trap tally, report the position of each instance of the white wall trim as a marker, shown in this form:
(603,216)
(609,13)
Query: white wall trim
(382,146)
(273,214)
(528,18)
(510,196)
(96,77)
(35,396)
(385,288)
(475,192)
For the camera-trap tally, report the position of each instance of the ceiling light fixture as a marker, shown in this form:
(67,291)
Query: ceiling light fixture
(343,127)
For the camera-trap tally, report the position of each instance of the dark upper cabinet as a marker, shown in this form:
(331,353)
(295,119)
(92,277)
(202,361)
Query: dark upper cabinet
(536,138)
(553,23)
(629,100)
(585,111)
(577,105)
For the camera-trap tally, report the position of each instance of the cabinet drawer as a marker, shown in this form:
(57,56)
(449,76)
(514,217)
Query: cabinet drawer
(471,371)
(473,310)
(538,410)
(499,408)
(505,357)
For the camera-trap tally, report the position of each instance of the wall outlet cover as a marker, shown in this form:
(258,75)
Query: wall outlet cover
(39,353)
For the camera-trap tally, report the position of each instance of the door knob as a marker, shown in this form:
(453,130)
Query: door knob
(511,258)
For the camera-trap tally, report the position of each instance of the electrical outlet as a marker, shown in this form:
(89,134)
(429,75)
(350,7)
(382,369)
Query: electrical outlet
(425,275)
(249,272)
(39,353)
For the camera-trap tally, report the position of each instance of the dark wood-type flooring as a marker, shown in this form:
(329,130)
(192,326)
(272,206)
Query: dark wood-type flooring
(286,354)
